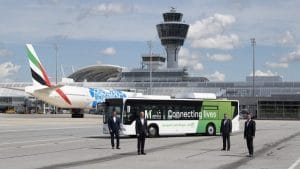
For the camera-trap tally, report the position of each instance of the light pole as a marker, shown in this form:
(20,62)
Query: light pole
(253,43)
(150,68)
(56,49)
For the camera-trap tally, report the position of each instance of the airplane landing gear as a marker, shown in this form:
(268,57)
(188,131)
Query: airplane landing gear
(77,113)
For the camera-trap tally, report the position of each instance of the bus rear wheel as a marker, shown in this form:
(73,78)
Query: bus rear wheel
(210,129)
(153,131)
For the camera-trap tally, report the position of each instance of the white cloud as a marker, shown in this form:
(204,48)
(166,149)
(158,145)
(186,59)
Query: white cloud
(217,42)
(292,56)
(266,73)
(284,61)
(220,57)
(277,65)
(49,2)
(62,22)
(209,33)
(105,9)
(287,38)
(217,76)
(189,60)
(5,53)
(110,51)
(7,69)
(209,26)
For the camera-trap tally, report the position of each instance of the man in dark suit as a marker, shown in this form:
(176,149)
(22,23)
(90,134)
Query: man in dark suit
(226,128)
(141,132)
(114,129)
(249,133)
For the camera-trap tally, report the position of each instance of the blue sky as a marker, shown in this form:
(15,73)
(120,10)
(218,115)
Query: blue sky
(115,32)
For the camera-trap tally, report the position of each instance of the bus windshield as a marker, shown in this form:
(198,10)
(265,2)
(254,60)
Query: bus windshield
(110,106)
(235,107)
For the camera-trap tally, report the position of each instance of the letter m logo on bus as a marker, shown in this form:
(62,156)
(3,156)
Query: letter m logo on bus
(148,114)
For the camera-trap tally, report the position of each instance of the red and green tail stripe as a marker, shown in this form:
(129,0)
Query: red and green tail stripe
(39,75)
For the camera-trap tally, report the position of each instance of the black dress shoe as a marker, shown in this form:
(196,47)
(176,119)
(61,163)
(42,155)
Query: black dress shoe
(118,148)
(139,153)
(223,149)
(143,153)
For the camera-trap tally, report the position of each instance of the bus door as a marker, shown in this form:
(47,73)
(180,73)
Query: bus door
(110,106)
(130,113)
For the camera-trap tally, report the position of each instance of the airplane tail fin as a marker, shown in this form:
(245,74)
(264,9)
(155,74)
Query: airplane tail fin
(38,73)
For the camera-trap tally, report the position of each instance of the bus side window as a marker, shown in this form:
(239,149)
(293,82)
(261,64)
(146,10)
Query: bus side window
(130,113)
(164,113)
(156,112)
(189,109)
(171,112)
(135,113)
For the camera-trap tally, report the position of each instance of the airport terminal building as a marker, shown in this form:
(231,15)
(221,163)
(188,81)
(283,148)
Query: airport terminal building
(271,97)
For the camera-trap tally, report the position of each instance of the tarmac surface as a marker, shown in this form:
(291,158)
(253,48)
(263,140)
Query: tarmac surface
(57,141)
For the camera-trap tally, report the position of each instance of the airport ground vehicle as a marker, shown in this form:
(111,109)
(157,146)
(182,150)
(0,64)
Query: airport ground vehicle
(168,116)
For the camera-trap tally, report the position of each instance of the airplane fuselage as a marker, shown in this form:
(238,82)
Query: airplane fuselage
(79,97)
(73,97)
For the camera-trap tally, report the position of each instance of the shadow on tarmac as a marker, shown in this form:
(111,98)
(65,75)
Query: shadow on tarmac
(134,137)
(100,148)
(232,155)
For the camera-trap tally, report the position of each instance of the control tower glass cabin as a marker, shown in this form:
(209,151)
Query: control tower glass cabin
(172,33)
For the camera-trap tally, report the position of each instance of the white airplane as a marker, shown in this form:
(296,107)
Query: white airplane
(68,97)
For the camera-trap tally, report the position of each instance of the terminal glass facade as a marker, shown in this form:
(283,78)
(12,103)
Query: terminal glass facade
(279,109)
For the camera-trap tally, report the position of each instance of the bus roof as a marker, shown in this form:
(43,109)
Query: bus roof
(196,96)
(170,99)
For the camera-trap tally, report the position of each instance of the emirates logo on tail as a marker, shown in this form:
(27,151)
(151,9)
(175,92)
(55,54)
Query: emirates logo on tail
(39,75)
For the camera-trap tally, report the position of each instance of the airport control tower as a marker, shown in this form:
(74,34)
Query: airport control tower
(172,33)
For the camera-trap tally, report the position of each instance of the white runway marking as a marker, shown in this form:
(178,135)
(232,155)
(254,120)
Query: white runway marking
(44,144)
(61,128)
(294,165)
(35,141)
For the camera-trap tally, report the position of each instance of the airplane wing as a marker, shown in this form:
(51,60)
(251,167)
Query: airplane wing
(15,88)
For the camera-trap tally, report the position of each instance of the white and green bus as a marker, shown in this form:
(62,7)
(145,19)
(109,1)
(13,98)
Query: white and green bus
(168,116)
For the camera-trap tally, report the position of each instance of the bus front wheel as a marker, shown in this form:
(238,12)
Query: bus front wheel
(153,131)
(210,129)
